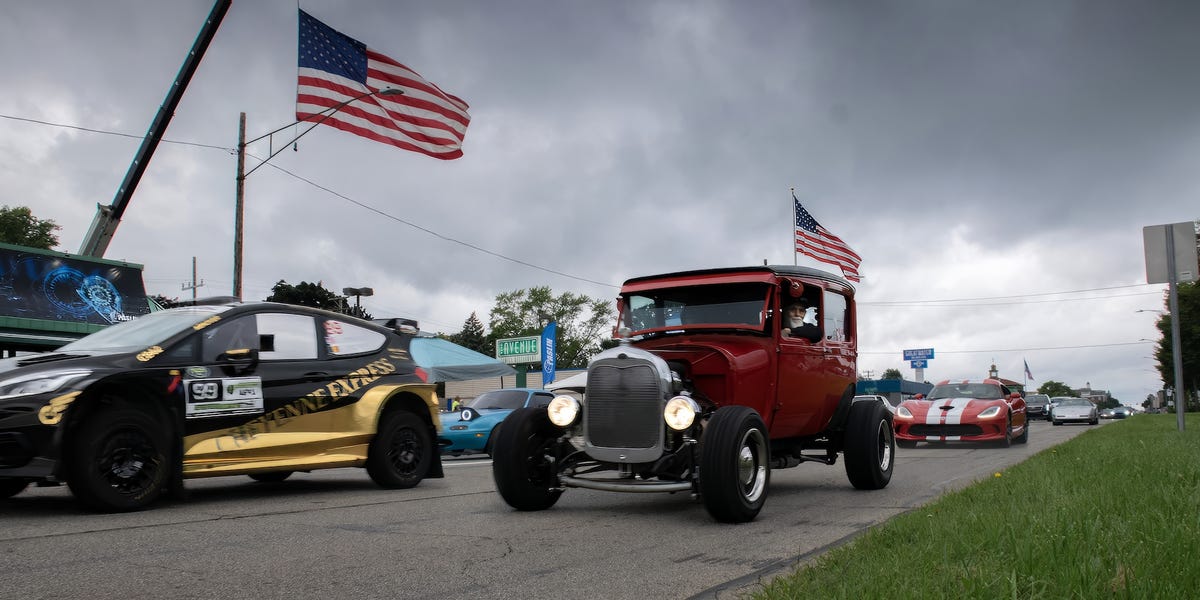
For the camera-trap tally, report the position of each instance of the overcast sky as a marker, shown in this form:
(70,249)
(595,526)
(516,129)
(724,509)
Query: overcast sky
(993,163)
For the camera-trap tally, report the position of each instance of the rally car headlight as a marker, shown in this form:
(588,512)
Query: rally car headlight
(903,412)
(680,412)
(563,411)
(989,412)
(39,383)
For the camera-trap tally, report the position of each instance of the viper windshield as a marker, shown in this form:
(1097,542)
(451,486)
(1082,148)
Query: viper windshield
(737,306)
(982,391)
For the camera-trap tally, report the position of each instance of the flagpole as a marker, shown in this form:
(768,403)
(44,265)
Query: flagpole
(242,173)
(793,232)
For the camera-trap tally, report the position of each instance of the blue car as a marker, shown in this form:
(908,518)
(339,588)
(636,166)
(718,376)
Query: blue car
(473,428)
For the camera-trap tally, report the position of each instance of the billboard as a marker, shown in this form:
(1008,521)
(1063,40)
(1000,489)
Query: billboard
(52,286)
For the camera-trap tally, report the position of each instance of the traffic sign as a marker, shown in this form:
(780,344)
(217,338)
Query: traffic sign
(918,354)
(919,364)
(519,350)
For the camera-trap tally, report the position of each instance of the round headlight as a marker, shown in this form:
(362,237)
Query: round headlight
(680,412)
(563,411)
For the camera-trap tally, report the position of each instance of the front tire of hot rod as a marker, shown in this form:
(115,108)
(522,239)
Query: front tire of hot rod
(735,465)
(870,450)
(523,462)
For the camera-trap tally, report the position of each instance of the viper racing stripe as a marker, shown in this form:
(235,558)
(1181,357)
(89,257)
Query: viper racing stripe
(953,416)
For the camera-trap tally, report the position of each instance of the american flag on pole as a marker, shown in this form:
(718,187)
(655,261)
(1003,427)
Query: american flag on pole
(1028,375)
(335,68)
(816,241)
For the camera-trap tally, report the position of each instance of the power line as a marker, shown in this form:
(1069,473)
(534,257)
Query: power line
(1101,289)
(899,352)
(927,303)
(339,195)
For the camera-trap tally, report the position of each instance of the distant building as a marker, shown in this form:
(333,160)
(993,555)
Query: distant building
(1096,396)
(895,390)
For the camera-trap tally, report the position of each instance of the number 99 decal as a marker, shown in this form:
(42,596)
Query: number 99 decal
(203,391)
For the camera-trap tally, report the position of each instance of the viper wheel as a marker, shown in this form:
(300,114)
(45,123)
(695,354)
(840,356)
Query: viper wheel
(1024,437)
(735,465)
(401,451)
(523,461)
(1008,437)
(870,446)
(12,487)
(119,462)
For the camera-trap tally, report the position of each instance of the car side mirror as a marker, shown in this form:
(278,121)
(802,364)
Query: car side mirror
(918,397)
(239,356)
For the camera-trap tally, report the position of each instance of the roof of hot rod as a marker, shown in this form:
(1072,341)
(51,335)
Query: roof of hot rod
(749,273)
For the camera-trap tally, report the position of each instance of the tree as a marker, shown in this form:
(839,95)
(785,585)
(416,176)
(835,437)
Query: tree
(1189,342)
(1055,388)
(164,301)
(580,321)
(18,226)
(472,336)
(306,294)
(892,374)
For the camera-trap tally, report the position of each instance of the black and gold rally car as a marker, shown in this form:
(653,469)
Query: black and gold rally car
(259,389)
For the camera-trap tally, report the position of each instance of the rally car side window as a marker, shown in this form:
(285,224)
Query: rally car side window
(237,333)
(286,336)
(343,338)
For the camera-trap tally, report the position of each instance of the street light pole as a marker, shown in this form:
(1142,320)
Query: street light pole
(242,173)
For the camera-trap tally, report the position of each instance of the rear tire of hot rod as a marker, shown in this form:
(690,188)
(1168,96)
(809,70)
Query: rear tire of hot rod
(870,450)
(401,451)
(119,462)
(735,465)
(523,462)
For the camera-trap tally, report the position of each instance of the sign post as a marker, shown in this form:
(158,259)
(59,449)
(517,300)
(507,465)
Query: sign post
(1171,258)
(918,358)
(519,352)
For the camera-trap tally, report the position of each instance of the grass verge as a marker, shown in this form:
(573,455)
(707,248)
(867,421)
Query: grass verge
(1112,513)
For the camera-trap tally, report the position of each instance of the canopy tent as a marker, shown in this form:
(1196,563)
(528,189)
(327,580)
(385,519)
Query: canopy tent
(576,382)
(446,361)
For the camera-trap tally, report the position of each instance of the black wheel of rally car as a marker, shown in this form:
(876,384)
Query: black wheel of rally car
(401,451)
(735,464)
(271,476)
(1024,437)
(12,487)
(490,446)
(1008,438)
(870,449)
(119,461)
(523,463)
(906,443)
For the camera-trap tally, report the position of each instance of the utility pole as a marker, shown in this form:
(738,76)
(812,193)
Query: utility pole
(194,285)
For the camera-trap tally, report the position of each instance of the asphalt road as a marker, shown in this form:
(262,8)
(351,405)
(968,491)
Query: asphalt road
(333,534)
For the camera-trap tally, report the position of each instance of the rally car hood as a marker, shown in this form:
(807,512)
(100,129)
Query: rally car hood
(51,361)
(951,408)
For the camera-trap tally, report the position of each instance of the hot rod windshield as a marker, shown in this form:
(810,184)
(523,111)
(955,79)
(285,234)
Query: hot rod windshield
(723,306)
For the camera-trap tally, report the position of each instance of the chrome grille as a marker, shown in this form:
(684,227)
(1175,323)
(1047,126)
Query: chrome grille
(624,405)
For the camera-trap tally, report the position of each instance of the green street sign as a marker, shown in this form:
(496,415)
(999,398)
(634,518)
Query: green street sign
(519,350)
